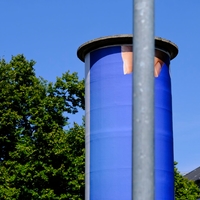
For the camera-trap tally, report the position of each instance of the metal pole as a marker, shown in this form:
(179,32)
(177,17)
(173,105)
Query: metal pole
(143,100)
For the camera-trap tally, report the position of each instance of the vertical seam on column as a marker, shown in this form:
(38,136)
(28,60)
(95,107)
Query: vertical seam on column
(87,127)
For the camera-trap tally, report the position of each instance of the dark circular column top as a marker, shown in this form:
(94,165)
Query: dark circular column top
(160,43)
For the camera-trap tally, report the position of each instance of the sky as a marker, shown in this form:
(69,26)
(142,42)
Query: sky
(50,33)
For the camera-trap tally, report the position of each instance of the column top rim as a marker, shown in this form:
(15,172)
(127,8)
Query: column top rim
(124,39)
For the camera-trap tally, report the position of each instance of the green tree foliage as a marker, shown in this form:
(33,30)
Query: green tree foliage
(38,158)
(184,188)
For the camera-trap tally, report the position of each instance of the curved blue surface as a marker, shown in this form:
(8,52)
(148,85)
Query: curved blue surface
(111,128)
(164,160)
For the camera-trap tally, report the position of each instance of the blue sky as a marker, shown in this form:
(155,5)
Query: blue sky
(50,32)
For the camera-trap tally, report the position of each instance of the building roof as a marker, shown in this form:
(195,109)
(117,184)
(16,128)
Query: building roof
(193,175)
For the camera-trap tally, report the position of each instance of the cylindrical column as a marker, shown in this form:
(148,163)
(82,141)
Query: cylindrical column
(143,101)
(108,62)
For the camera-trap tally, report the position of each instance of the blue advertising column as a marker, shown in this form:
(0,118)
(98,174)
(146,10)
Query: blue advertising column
(108,96)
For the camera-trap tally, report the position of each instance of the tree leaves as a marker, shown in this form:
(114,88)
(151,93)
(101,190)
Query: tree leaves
(39,159)
(184,188)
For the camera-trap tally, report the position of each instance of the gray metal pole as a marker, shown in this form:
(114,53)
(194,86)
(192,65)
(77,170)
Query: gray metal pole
(143,100)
